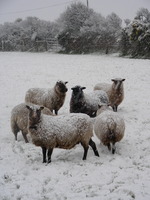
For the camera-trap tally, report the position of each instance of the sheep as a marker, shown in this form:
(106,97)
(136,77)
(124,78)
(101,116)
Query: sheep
(19,120)
(50,98)
(86,103)
(64,131)
(115,91)
(109,127)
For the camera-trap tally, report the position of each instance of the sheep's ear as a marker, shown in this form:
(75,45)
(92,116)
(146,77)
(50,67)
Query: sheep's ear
(41,107)
(58,82)
(113,80)
(99,106)
(66,82)
(123,79)
(28,107)
(83,88)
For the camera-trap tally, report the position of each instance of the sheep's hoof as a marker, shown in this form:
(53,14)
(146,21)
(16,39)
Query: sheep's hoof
(49,161)
(113,151)
(115,108)
(96,153)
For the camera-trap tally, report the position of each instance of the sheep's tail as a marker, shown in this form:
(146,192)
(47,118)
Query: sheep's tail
(111,135)
(111,124)
(14,128)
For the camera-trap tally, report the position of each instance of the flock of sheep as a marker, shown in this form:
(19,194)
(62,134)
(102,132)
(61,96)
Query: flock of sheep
(89,113)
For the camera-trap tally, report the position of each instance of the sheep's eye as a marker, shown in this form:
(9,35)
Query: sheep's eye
(38,111)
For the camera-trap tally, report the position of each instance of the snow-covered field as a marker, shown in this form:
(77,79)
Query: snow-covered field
(122,176)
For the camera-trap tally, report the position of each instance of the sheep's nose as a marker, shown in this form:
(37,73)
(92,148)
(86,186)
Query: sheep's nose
(117,85)
(34,116)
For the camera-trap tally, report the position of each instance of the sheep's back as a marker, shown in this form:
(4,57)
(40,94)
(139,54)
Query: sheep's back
(96,97)
(65,131)
(36,96)
(109,121)
(103,86)
(115,97)
(19,116)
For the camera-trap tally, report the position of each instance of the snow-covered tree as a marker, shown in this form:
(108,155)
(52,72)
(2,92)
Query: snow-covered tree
(93,32)
(71,23)
(143,15)
(136,36)
(82,30)
(127,22)
(22,35)
(10,36)
(125,44)
(113,31)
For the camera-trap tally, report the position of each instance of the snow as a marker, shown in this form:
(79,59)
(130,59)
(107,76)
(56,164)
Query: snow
(122,176)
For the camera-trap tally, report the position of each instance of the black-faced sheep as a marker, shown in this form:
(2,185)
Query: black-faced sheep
(81,102)
(109,127)
(115,91)
(50,98)
(19,119)
(64,131)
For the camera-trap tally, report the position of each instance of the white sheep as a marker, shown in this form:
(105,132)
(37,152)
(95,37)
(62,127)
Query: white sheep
(115,91)
(81,102)
(51,98)
(19,119)
(109,127)
(64,131)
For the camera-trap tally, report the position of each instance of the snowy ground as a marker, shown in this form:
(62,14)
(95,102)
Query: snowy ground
(123,176)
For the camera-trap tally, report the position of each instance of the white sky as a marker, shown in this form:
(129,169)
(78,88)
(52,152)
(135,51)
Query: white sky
(51,9)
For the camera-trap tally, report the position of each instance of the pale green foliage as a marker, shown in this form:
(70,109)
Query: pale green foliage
(135,39)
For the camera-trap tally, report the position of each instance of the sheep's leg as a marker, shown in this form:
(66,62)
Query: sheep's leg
(56,112)
(25,137)
(109,146)
(15,130)
(93,145)
(15,134)
(115,108)
(85,147)
(113,148)
(50,151)
(44,154)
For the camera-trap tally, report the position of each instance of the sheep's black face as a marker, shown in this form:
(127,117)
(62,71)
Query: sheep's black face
(76,90)
(77,93)
(61,86)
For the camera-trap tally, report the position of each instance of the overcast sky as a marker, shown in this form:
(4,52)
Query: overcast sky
(50,10)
